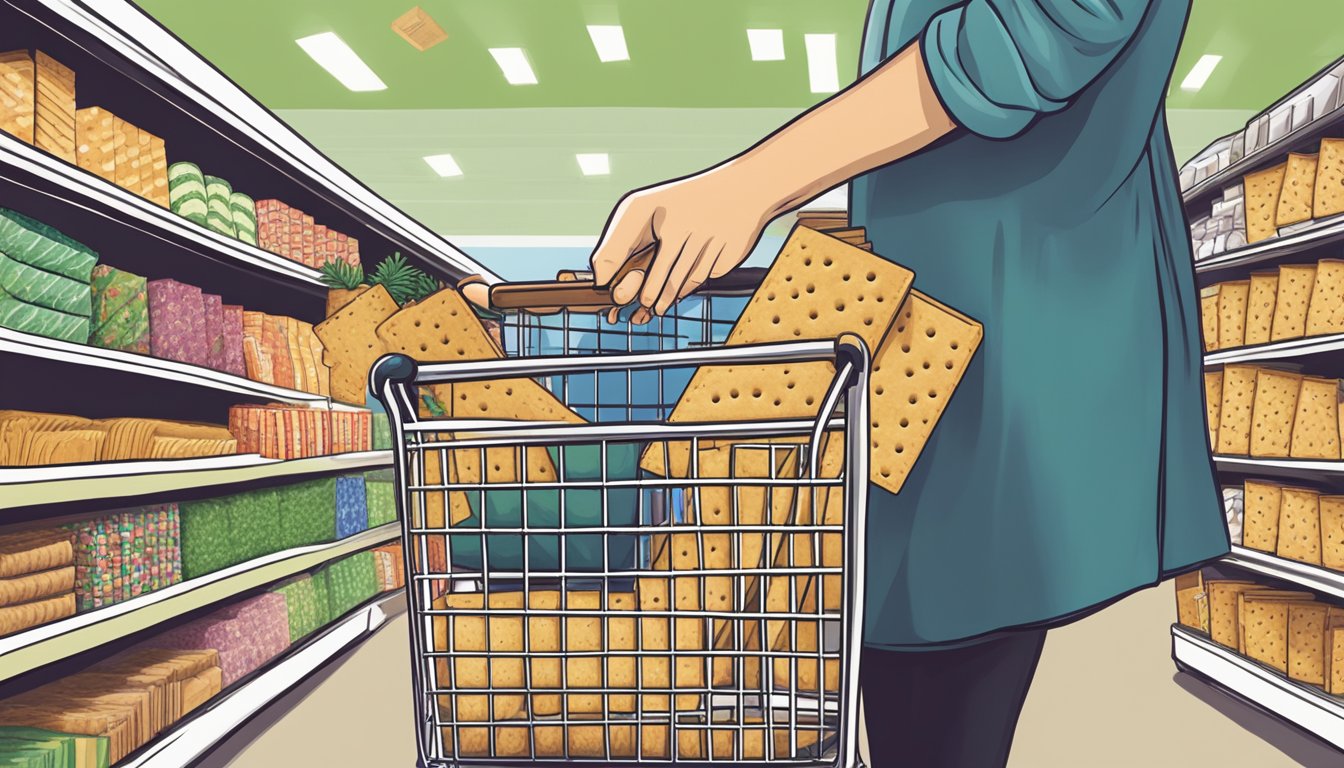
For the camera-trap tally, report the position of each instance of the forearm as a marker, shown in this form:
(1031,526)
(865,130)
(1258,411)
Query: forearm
(884,117)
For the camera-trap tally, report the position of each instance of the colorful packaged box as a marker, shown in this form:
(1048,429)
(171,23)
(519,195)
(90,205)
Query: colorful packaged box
(120,318)
(177,322)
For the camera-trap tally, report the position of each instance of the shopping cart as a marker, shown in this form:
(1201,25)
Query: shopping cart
(583,609)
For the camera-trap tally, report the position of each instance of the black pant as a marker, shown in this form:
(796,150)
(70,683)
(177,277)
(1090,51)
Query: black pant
(956,708)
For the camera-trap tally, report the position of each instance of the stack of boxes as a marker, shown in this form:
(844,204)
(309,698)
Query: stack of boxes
(293,234)
(125,554)
(37,579)
(44,280)
(294,432)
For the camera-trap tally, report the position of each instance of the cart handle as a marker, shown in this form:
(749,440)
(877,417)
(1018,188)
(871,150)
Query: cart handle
(400,369)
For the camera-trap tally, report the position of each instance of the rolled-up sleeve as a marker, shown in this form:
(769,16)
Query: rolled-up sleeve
(997,65)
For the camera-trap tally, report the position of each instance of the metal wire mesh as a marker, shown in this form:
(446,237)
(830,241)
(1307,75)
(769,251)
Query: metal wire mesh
(627,591)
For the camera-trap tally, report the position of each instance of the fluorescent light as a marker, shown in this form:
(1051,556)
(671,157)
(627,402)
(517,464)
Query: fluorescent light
(513,63)
(822,71)
(609,42)
(444,165)
(594,164)
(1199,74)
(333,55)
(766,44)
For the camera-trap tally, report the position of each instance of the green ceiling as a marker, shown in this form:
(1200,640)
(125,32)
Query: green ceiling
(684,53)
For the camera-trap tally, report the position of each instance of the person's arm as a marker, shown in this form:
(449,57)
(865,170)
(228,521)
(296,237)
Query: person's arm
(992,67)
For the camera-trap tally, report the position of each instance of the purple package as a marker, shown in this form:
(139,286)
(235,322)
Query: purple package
(233,340)
(214,330)
(176,322)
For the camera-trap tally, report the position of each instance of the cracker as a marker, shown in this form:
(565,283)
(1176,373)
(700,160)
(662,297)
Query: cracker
(1328,197)
(1300,526)
(1266,626)
(95,148)
(1332,532)
(1232,298)
(1223,619)
(351,344)
(1306,642)
(678,635)
(817,288)
(1299,185)
(17,97)
(1189,594)
(1275,407)
(126,145)
(1316,425)
(1260,307)
(1208,316)
(1234,417)
(1325,312)
(1213,402)
(1262,191)
(1260,522)
(1296,282)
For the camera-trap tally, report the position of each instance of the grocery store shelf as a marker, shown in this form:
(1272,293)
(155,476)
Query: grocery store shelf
(1302,705)
(1279,467)
(1280,350)
(195,735)
(60,179)
(32,486)
(1323,232)
(33,648)
(19,343)
(1313,577)
(161,62)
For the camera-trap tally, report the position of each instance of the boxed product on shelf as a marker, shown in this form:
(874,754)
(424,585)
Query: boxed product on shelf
(1234,511)
(125,554)
(129,698)
(352,511)
(295,235)
(207,534)
(177,328)
(120,317)
(96,137)
(295,432)
(349,581)
(44,277)
(219,206)
(1192,605)
(17,94)
(187,196)
(380,495)
(304,617)
(41,747)
(233,360)
(1328,197)
(390,567)
(36,578)
(243,211)
(284,352)
(252,524)
(213,306)
(54,107)
(246,634)
(310,512)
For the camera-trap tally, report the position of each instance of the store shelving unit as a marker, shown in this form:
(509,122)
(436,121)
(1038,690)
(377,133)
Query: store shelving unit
(42,645)
(198,733)
(1302,705)
(130,65)
(33,486)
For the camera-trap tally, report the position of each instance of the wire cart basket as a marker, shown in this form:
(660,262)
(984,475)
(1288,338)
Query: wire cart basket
(596,585)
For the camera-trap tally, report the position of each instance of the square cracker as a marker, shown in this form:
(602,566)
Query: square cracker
(350,343)
(1234,425)
(817,288)
(1300,526)
(1316,424)
(1272,414)
(1213,402)
(1262,190)
(1292,301)
(1260,304)
(1232,299)
(1325,312)
(1299,185)
(1328,196)
(1208,316)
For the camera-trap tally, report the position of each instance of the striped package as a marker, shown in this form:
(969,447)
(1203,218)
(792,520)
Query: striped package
(95,142)
(54,108)
(38,245)
(219,213)
(17,97)
(155,186)
(187,193)
(243,211)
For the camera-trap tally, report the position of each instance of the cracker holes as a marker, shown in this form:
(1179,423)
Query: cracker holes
(839,305)
(905,423)
(417,323)
(900,448)
(870,277)
(930,332)
(775,320)
(770,296)
(812,315)
(733,393)
(424,347)
(793,294)
(949,365)
(954,345)
(878,391)
(756,393)
(926,365)
(909,373)
(914,399)
(845,277)
(905,348)
(826,262)
(809,400)
(933,394)
(807,262)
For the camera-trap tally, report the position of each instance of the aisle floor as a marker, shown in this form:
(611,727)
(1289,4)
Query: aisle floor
(1106,694)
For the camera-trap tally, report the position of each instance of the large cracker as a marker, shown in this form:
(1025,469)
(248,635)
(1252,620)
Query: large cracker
(657,633)
(1232,298)
(1234,424)
(1299,185)
(1260,523)
(1328,198)
(1260,307)
(351,344)
(1208,316)
(1296,282)
(1272,414)
(1300,526)
(1213,402)
(1223,619)
(1266,625)
(1332,532)
(1325,314)
(1262,191)
(1316,425)
(1306,642)
(817,288)
(915,373)
(478,674)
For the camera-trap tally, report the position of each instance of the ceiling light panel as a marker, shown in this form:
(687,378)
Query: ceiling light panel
(333,55)
(515,66)
(609,42)
(444,165)
(766,44)
(822,71)
(594,163)
(1199,74)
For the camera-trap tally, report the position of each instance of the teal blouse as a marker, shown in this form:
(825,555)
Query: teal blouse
(1071,466)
